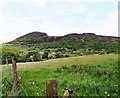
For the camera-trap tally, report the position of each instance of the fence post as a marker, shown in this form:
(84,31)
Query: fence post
(15,77)
(6,61)
(51,89)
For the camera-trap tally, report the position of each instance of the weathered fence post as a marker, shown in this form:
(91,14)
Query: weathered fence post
(15,77)
(6,61)
(51,89)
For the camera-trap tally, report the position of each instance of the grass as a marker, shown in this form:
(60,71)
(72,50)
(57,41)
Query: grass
(94,75)
(55,63)
(11,46)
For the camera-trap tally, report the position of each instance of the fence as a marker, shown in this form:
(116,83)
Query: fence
(51,85)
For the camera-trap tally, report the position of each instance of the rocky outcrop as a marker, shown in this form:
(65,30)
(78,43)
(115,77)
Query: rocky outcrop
(45,38)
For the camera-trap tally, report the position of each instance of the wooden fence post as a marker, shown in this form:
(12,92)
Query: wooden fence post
(15,77)
(51,89)
(6,61)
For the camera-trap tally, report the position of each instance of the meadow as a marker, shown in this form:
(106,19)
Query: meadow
(92,75)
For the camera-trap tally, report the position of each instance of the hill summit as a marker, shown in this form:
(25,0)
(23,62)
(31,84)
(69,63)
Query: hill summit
(41,46)
(37,37)
(33,34)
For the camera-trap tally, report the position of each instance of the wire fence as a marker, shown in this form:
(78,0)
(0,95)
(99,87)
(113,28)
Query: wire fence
(98,70)
(7,83)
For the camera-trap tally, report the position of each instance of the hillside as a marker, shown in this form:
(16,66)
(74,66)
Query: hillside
(40,37)
(41,46)
(73,41)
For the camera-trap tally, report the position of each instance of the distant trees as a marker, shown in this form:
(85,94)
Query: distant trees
(19,56)
(45,55)
(9,54)
(33,56)
(58,55)
(57,49)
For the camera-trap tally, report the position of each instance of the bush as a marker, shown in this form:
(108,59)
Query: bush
(45,55)
(22,59)
(9,55)
(66,55)
(58,55)
(34,54)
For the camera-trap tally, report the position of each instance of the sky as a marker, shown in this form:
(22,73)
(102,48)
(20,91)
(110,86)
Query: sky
(57,17)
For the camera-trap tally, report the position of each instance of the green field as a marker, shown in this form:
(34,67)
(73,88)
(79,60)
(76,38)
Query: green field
(93,75)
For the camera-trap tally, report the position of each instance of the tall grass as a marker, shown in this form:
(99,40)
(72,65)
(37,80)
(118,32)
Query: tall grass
(87,76)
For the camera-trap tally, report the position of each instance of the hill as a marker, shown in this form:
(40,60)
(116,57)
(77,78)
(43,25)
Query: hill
(39,46)
(73,41)
(41,37)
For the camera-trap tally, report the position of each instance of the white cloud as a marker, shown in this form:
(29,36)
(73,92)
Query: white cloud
(80,9)
(107,26)
(70,10)
(61,19)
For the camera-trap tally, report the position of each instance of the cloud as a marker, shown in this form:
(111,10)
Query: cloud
(64,9)
(55,18)
(79,9)
(108,26)
(25,9)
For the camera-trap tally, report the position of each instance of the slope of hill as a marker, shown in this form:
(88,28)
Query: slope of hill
(72,41)
(40,37)
(41,46)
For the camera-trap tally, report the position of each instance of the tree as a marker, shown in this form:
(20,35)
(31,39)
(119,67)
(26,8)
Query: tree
(9,55)
(45,55)
(33,56)
(58,55)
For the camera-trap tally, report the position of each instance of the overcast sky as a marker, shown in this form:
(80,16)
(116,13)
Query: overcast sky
(57,17)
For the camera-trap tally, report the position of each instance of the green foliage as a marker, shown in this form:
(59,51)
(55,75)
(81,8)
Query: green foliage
(23,58)
(66,55)
(71,44)
(30,40)
(6,86)
(74,45)
(34,54)
(9,54)
(58,55)
(86,78)
(45,55)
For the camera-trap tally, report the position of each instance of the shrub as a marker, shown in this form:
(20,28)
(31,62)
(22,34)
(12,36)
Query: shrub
(45,55)
(66,55)
(9,54)
(34,54)
(59,55)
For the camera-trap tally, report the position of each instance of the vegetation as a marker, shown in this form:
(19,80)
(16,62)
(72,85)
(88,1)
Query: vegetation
(95,75)
(62,48)
(86,63)
(32,44)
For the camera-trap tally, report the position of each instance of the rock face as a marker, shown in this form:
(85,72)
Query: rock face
(43,37)
(91,36)
(33,34)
